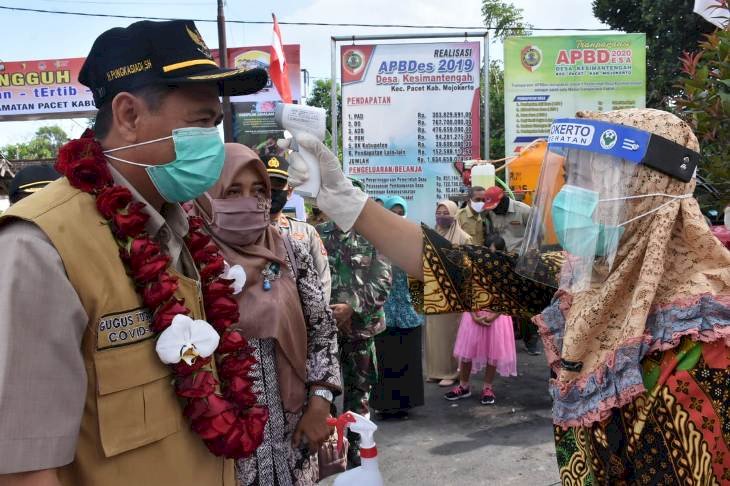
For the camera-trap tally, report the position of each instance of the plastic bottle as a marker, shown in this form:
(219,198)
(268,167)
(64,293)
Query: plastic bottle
(727,217)
(368,474)
(483,175)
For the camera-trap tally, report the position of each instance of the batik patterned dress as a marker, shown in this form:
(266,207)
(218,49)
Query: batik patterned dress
(276,462)
(677,432)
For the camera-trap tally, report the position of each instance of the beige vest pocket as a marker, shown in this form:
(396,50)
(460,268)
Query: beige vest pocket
(135,398)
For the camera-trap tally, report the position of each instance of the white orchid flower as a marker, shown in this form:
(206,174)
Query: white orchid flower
(186,339)
(237,274)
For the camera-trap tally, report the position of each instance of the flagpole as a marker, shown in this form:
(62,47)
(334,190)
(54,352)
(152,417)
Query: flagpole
(223,54)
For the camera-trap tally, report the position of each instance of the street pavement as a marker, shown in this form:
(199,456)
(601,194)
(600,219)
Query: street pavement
(464,443)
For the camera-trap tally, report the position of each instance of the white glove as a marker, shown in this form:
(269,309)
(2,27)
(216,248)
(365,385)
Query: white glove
(337,197)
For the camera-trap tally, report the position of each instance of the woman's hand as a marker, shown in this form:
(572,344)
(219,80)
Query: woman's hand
(343,316)
(313,424)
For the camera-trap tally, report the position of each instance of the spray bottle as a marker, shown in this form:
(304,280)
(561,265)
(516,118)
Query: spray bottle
(308,119)
(368,474)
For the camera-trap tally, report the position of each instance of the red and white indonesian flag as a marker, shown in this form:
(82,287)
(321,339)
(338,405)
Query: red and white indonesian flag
(278,69)
(713,11)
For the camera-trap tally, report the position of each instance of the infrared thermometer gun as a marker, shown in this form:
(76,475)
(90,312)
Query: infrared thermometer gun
(308,119)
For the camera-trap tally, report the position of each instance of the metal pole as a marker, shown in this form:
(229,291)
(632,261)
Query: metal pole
(223,54)
(486,96)
(333,95)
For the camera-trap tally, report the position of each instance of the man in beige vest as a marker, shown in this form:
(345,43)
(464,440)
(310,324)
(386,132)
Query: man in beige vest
(84,399)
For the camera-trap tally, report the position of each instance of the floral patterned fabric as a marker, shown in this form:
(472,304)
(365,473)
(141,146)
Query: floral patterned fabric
(676,433)
(276,461)
(399,310)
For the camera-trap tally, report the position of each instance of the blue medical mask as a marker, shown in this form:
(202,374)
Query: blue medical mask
(199,157)
(578,234)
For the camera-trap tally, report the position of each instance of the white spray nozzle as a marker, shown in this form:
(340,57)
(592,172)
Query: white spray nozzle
(363,426)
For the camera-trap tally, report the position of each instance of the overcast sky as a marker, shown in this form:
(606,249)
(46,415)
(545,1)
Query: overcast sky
(28,36)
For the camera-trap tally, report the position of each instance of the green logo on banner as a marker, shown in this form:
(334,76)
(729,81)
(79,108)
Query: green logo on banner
(354,61)
(608,139)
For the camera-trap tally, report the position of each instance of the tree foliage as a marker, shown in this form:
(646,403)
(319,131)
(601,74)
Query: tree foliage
(670,27)
(44,145)
(504,18)
(496,111)
(321,96)
(704,102)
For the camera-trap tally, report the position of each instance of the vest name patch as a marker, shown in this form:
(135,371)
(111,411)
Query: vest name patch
(124,328)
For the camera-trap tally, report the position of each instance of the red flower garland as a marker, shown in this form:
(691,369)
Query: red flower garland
(225,414)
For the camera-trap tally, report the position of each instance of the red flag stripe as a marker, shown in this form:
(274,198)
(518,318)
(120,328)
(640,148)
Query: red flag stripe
(278,69)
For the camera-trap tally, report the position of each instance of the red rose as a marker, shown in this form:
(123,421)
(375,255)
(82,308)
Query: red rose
(198,385)
(243,437)
(219,287)
(256,419)
(131,222)
(232,341)
(140,251)
(184,369)
(214,427)
(112,199)
(151,269)
(88,174)
(77,149)
(157,292)
(212,420)
(196,241)
(212,269)
(209,407)
(234,444)
(165,314)
(206,254)
(236,365)
(196,407)
(221,325)
(239,391)
(195,223)
(221,308)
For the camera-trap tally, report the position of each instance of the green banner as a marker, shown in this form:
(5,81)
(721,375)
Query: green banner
(553,77)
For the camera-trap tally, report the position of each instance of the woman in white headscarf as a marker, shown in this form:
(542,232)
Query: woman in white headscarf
(441,329)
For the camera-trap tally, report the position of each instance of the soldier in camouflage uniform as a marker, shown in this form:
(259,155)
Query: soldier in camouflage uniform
(361,280)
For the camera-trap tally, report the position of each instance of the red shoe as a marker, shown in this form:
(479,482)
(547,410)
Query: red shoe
(488,397)
(457,393)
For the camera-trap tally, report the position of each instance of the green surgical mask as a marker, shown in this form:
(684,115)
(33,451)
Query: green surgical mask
(578,234)
(199,157)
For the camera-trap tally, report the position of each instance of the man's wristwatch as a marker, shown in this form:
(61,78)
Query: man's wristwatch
(323,393)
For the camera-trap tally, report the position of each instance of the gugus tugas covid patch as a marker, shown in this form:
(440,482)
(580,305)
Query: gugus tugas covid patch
(124,328)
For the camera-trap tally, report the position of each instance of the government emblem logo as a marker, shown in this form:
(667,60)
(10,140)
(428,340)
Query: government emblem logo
(353,61)
(531,57)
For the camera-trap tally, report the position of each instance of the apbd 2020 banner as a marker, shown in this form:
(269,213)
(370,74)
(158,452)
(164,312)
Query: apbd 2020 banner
(546,78)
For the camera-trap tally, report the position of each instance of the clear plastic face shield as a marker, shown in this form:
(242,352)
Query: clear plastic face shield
(584,203)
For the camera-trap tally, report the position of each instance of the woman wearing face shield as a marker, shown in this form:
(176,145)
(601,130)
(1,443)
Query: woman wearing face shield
(284,316)
(630,291)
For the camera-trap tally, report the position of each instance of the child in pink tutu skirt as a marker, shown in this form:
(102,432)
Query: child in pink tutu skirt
(485,340)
